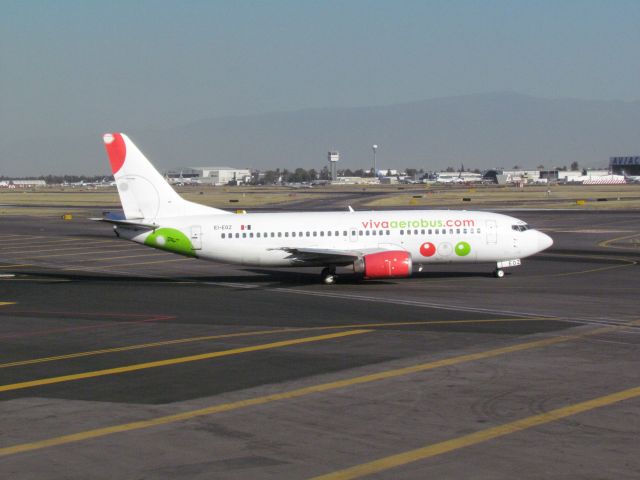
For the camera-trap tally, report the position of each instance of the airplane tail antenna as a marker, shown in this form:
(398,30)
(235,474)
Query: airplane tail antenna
(143,191)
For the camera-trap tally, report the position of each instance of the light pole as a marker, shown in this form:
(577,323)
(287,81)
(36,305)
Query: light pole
(375,172)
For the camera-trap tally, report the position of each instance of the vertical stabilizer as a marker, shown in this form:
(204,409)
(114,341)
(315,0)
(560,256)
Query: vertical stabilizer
(144,193)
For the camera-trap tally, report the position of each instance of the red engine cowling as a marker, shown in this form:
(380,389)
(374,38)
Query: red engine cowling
(394,263)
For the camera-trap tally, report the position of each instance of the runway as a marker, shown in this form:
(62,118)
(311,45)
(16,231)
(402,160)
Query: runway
(120,361)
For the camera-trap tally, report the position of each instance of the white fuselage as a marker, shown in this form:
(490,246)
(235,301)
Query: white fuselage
(430,236)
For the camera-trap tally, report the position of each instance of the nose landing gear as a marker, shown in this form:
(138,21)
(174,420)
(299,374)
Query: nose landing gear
(499,272)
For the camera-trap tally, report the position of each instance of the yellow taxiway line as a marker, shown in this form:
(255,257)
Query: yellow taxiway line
(83,251)
(607,243)
(174,361)
(181,259)
(2,304)
(99,268)
(140,346)
(56,247)
(54,243)
(137,255)
(440,448)
(301,392)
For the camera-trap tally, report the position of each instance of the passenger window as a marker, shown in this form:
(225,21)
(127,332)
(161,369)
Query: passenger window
(437,231)
(308,234)
(273,234)
(401,232)
(315,234)
(344,233)
(366,232)
(279,234)
(415,232)
(251,235)
(388,232)
(430,232)
(223,235)
(337,233)
(360,232)
(408,232)
(293,234)
(457,230)
(329,233)
(321,233)
(373,232)
(422,232)
(244,235)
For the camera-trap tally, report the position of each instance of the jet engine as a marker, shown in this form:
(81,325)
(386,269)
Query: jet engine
(393,263)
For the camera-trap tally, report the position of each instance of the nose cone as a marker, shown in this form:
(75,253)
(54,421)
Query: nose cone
(544,241)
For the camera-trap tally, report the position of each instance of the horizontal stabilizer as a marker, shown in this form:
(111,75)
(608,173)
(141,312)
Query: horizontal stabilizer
(127,223)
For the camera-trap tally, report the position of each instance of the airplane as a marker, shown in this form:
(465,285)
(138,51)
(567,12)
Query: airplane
(375,244)
(631,178)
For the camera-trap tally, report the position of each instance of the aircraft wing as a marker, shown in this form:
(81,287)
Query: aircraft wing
(327,256)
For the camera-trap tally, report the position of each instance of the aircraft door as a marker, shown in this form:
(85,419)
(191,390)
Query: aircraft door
(492,232)
(196,237)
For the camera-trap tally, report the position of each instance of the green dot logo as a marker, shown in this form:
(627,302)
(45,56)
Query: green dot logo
(463,249)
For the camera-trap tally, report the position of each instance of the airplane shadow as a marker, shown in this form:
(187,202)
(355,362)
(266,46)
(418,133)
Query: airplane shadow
(263,277)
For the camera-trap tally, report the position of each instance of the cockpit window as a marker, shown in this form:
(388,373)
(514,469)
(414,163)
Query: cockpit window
(520,228)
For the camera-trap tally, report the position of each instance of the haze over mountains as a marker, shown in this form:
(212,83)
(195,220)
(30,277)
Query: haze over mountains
(480,131)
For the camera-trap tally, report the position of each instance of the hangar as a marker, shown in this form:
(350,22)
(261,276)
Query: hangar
(625,165)
(211,175)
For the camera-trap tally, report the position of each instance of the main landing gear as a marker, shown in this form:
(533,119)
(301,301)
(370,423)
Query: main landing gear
(328,275)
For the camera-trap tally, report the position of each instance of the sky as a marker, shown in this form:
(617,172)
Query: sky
(72,68)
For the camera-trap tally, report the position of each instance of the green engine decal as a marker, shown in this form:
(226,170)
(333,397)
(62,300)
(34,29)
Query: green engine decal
(462,249)
(171,240)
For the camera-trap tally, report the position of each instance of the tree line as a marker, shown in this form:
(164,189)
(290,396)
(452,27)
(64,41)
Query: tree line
(59,179)
(300,175)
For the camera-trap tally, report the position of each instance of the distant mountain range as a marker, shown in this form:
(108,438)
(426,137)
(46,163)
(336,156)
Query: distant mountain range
(479,131)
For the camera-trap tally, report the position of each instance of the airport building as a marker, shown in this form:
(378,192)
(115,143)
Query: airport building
(355,180)
(210,175)
(625,165)
(22,183)
(520,177)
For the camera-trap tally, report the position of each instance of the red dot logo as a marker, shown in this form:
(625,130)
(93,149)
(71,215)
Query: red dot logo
(427,249)
(116,150)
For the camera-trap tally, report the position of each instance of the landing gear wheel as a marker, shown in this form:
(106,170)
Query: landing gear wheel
(328,275)
(499,273)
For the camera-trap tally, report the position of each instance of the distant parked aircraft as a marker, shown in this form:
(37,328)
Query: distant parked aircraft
(631,178)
